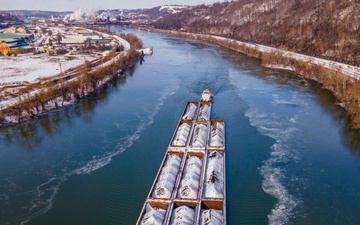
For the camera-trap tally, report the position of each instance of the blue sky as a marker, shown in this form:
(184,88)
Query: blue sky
(71,5)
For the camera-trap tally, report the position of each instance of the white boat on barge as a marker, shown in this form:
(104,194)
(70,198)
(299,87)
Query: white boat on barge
(190,186)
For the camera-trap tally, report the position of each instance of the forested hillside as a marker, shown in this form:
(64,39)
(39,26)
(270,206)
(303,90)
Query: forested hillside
(7,19)
(323,28)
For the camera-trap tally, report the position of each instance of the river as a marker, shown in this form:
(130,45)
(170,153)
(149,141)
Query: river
(291,158)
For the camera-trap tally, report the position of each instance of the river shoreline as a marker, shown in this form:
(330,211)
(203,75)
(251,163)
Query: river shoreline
(55,95)
(94,162)
(341,79)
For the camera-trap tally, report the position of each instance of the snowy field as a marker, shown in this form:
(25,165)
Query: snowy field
(28,68)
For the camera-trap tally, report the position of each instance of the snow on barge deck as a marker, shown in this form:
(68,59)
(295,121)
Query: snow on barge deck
(190,186)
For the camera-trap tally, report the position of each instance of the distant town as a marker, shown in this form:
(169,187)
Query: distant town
(114,16)
(39,44)
(23,31)
(44,54)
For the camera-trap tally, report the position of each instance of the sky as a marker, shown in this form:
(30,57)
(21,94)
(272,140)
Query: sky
(72,5)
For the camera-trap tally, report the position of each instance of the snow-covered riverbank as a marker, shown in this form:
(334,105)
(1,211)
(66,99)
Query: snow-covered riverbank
(29,68)
(339,78)
(24,101)
(349,70)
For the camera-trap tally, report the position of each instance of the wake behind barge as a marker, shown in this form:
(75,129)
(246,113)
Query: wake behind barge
(189,187)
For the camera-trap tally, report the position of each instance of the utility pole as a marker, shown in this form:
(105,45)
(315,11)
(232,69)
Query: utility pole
(61,73)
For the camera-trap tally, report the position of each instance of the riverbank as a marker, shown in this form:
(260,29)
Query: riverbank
(341,79)
(94,162)
(37,99)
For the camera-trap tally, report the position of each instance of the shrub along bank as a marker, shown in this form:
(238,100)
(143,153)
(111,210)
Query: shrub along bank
(344,87)
(53,95)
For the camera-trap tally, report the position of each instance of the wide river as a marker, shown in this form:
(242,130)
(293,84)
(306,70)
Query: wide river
(291,159)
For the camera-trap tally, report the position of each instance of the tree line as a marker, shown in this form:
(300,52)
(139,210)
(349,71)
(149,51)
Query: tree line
(344,88)
(323,28)
(39,98)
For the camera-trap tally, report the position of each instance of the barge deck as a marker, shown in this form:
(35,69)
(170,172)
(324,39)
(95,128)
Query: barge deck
(190,186)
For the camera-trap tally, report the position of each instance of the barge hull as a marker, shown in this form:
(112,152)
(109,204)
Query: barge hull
(194,210)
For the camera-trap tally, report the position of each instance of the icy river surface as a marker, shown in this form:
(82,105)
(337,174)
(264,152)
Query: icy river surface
(291,159)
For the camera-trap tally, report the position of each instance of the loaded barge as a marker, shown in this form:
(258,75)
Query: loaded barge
(190,186)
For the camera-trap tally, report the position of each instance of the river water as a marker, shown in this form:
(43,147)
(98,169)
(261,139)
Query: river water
(291,159)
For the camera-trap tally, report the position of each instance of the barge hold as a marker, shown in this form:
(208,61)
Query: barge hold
(190,186)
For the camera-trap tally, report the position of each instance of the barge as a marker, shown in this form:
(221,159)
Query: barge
(190,186)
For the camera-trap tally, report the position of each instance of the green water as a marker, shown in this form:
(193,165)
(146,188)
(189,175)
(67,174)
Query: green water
(291,159)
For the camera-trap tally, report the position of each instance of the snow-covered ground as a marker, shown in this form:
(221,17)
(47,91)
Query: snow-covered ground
(173,8)
(29,68)
(351,71)
(120,40)
(346,69)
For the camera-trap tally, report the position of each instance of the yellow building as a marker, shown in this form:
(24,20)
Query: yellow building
(10,30)
(21,30)
(33,30)
(4,49)
(81,31)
